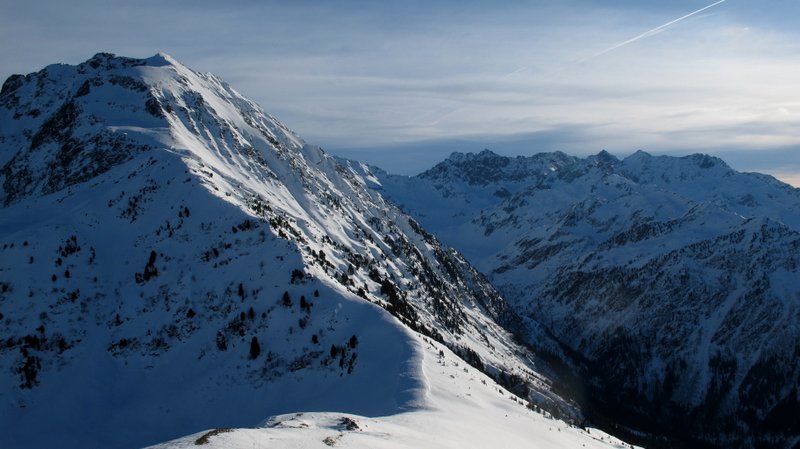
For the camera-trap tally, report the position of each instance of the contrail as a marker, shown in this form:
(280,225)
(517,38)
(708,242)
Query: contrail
(651,32)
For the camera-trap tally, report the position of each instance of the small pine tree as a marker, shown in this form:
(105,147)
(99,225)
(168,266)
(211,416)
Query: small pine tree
(305,305)
(222,341)
(286,300)
(255,348)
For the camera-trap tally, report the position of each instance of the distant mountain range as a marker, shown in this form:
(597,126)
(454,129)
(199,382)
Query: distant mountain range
(671,284)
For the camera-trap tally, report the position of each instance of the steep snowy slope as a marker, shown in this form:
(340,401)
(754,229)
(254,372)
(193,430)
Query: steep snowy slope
(671,283)
(174,259)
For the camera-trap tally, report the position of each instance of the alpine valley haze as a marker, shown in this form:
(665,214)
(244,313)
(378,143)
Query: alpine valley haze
(178,268)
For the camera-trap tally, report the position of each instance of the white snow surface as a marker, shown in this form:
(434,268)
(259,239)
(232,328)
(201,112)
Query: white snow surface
(461,408)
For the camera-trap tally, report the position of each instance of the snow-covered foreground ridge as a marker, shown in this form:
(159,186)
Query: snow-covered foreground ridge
(174,259)
(463,408)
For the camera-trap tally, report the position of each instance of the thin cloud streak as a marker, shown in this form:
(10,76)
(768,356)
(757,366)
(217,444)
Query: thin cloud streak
(652,32)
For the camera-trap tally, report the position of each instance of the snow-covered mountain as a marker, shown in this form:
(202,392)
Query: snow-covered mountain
(671,284)
(173,259)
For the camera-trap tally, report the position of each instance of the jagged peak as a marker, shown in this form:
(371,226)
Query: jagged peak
(639,155)
(11,84)
(459,157)
(605,161)
(99,62)
(606,156)
(553,157)
(487,153)
(702,160)
(706,161)
(488,166)
(109,61)
(691,166)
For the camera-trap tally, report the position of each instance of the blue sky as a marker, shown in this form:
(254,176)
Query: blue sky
(402,84)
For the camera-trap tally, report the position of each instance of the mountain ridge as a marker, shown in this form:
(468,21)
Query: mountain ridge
(173,258)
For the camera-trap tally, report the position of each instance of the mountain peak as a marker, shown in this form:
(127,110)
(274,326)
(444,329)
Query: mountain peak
(479,168)
(639,155)
(161,59)
(63,115)
(606,156)
(706,161)
(108,61)
(459,157)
